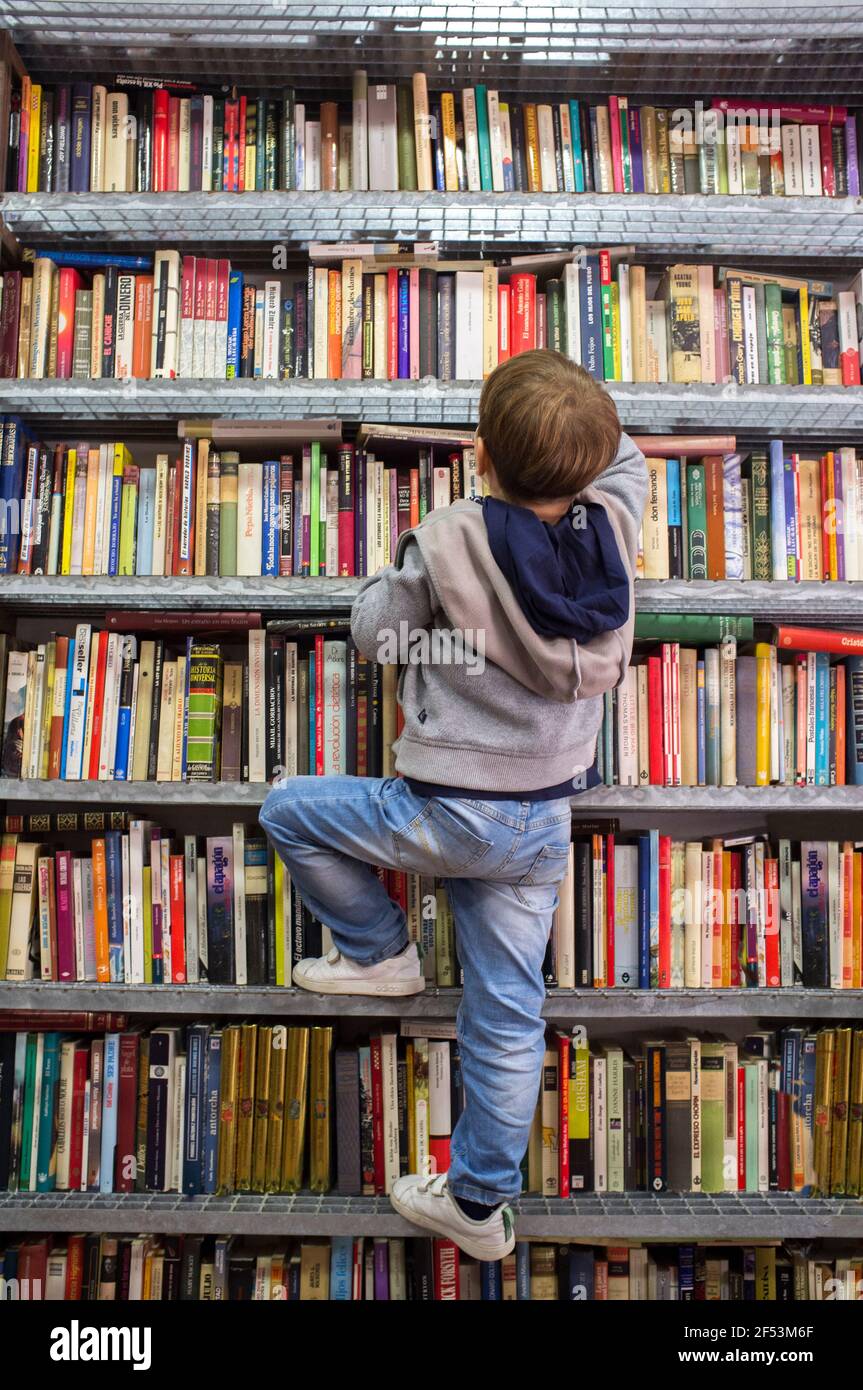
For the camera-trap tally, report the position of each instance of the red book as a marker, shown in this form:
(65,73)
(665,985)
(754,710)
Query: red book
(608,864)
(33,1268)
(393,323)
(415,498)
(80,1065)
(741,1129)
(563,1061)
(69,283)
(66,969)
(819,639)
(240,180)
(98,703)
(127,1113)
(173,144)
(828,175)
(223,276)
(286,516)
(74,1268)
(841,725)
(377,1114)
(654,705)
(200,305)
(178,921)
(446,1271)
(664,911)
(736,885)
(160,140)
(522,301)
(319,704)
(772,922)
(10,315)
(347,539)
(211,290)
(503,323)
(229,164)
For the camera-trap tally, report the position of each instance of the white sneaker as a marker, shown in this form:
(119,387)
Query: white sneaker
(428,1202)
(335,974)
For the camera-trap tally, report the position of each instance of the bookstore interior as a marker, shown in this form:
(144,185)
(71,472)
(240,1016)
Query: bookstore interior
(256,263)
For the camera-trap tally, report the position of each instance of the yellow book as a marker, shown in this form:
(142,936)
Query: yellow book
(839,1104)
(805,347)
(315,1270)
(228,1084)
(246,1106)
(489,318)
(33,138)
(68,511)
(125,470)
(8,849)
(765,1274)
(279,917)
(615,310)
(91,498)
(320,1108)
(811,561)
(444,940)
(854,1169)
(531,148)
(276,1107)
(824,1054)
(655,522)
(450,168)
(296,1094)
(388,718)
(261,1109)
(857,942)
(763,652)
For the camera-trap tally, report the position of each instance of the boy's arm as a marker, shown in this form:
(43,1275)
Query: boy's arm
(625,478)
(396,594)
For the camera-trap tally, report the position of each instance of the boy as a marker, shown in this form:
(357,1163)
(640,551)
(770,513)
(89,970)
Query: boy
(534,586)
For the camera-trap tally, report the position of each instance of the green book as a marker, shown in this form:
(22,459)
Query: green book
(750,1072)
(230,465)
(205,702)
(28,1116)
(483,140)
(693,627)
(696,521)
(625,155)
(407,152)
(762,563)
(287,151)
(315,512)
(712,1117)
(556,331)
(607,301)
(271,147)
(775,348)
(46,1158)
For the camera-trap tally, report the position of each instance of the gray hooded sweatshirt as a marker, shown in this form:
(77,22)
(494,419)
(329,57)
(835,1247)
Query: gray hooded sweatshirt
(522,711)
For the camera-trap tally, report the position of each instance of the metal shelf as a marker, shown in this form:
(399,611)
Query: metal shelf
(709,226)
(633,1216)
(608,800)
(805,603)
(561,1005)
(789,411)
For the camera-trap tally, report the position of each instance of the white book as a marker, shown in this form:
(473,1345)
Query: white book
(29,1161)
(692,914)
(116,143)
(78,672)
(382,131)
(250,505)
(90,703)
(495,141)
(572,302)
(272,329)
(184,146)
(734,162)
(55,1277)
(422,133)
(468,325)
(563,926)
(103,505)
(626,915)
(110,707)
(81,972)
(98,109)
(313,156)
(600,1112)
(321,322)
(625,323)
(160,515)
(360,130)
(176,1151)
(792,160)
(190,907)
(38,712)
(440,1102)
(64,1113)
(201,894)
(847,306)
(125,327)
(750,335)
(257,707)
(239,887)
(207,146)
(127,909)
(471,140)
(614,1086)
(389,1089)
(547,165)
(657,340)
(332,522)
(810,161)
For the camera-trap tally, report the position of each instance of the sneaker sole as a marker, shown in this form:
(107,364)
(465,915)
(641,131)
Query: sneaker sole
(474,1249)
(383,987)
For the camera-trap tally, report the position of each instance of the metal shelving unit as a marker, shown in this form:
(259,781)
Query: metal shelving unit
(627,1216)
(562,1005)
(714,226)
(788,411)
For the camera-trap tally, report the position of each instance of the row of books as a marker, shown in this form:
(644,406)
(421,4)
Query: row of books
(319,510)
(107,1268)
(86,315)
(770,514)
(655,911)
(253,1107)
(83,137)
(725,716)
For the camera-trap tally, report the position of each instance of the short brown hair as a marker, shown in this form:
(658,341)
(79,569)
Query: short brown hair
(549,428)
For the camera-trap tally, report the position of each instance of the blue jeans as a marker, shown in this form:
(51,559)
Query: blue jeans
(502,862)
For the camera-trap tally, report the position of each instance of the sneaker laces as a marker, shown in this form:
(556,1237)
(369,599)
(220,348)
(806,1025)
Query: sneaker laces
(427,1184)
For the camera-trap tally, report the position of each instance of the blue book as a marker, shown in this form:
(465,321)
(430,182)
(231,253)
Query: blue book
(341,1268)
(580,1274)
(803,1096)
(779,560)
(437,149)
(46,1176)
(270,519)
(16,437)
(109,1111)
(701,735)
(522,1271)
(792,1042)
(114,884)
(79,171)
(822,719)
(792,559)
(635,160)
(644,912)
(114,524)
(235,324)
(590,309)
(675,518)
(815,920)
(854,720)
(146,521)
(404,337)
(491,1288)
(654,909)
(577,152)
(212,1075)
(98,260)
(195,1108)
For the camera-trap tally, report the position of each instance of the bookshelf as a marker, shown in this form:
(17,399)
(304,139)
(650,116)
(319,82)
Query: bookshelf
(795,49)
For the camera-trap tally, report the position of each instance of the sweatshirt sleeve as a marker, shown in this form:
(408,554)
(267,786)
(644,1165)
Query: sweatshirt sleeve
(396,594)
(625,479)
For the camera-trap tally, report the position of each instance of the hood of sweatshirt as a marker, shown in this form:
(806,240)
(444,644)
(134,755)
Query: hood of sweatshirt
(476,596)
